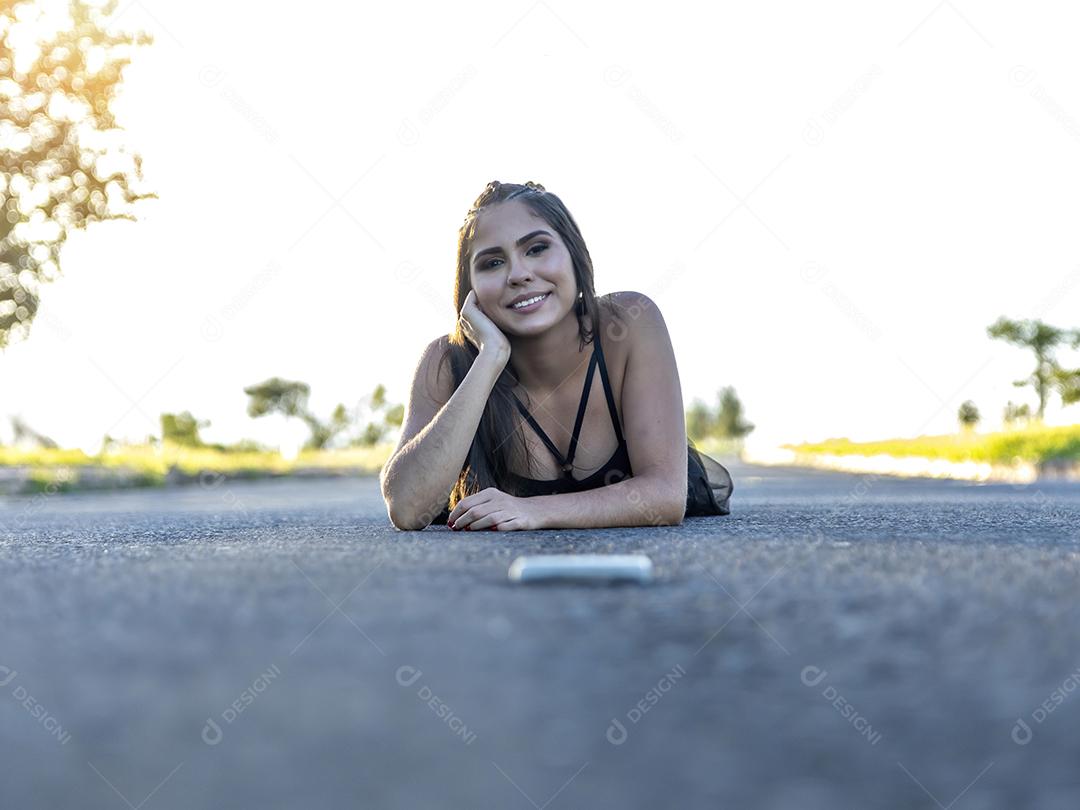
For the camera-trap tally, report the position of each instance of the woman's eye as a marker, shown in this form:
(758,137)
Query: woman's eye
(543,245)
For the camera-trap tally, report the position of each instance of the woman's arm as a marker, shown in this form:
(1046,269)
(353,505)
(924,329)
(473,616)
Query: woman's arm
(642,500)
(436,435)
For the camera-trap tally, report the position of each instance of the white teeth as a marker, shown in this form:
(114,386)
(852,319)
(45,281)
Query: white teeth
(528,301)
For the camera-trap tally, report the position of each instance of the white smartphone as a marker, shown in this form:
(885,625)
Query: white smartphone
(582,567)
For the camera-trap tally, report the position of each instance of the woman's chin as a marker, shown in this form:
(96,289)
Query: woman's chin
(528,324)
(526,329)
(533,323)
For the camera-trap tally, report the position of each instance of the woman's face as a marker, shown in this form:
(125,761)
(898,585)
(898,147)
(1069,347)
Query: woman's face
(502,269)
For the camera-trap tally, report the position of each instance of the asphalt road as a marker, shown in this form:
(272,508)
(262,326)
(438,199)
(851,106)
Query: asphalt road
(837,641)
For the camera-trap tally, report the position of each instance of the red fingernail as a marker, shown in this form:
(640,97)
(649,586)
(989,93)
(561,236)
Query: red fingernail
(494,528)
(451,524)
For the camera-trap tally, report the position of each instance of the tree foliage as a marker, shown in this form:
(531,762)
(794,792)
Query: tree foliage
(287,397)
(726,421)
(61,163)
(383,417)
(968,414)
(182,428)
(290,398)
(1043,340)
(26,435)
(1016,414)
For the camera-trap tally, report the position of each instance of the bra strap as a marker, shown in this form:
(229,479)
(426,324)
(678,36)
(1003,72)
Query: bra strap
(539,432)
(581,409)
(607,391)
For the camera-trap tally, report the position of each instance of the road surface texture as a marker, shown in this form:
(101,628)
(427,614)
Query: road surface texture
(837,641)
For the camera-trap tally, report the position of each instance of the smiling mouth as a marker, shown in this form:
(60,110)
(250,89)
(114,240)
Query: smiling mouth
(532,306)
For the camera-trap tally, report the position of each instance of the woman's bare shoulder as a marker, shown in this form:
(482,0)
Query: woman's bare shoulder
(441,343)
(627,300)
(630,305)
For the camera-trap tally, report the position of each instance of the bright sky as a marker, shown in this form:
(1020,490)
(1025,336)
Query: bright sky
(829,203)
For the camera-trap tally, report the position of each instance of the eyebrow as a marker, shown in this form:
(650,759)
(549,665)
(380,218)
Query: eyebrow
(519,243)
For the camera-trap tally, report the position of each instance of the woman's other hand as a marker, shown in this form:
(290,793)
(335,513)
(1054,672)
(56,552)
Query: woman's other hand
(492,508)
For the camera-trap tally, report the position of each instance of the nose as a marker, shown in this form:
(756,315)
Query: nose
(519,272)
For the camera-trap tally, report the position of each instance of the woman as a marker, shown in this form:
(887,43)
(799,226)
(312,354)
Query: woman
(480,446)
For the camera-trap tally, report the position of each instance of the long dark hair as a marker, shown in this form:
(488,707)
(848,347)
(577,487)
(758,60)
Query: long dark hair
(498,436)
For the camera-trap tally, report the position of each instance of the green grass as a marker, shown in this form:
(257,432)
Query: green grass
(718,447)
(1035,444)
(60,470)
(148,465)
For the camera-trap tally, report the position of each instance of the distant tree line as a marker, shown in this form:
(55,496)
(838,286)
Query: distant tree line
(364,426)
(370,422)
(1049,375)
(725,421)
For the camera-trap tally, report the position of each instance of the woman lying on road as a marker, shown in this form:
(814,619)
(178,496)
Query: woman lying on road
(536,363)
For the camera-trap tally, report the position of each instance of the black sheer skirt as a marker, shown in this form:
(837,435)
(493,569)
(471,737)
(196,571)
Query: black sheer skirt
(708,484)
(708,487)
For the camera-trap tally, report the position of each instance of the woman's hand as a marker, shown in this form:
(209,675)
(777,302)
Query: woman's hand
(492,509)
(481,330)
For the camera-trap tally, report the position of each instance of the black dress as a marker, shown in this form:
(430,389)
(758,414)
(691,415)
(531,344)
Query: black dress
(708,483)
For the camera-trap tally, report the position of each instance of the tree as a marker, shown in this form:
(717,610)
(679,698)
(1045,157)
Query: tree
(276,395)
(374,431)
(290,399)
(61,162)
(968,415)
(729,419)
(385,416)
(322,434)
(26,435)
(700,421)
(1016,413)
(1048,374)
(182,428)
(726,422)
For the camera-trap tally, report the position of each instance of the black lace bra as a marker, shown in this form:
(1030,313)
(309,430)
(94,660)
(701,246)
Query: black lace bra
(617,467)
